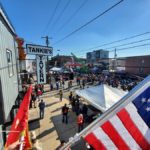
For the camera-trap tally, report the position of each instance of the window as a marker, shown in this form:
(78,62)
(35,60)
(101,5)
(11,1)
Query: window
(10,62)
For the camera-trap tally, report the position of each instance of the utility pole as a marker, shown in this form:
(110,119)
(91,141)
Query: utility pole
(47,40)
(115,59)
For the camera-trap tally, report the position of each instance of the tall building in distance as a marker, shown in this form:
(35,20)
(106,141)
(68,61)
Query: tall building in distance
(97,55)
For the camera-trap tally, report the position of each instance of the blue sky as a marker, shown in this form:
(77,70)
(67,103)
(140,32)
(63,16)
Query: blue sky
(30,19)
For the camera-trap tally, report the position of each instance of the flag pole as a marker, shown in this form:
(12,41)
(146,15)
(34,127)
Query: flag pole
(22,138)
(2,131)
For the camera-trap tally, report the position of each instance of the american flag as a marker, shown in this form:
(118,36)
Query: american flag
(126,128)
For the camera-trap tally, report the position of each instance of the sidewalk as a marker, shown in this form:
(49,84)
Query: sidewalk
(51,130)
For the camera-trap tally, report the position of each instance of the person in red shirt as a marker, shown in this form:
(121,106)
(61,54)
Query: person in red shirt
(80,122)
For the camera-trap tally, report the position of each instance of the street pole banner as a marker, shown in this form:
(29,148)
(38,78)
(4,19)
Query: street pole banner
(41,69)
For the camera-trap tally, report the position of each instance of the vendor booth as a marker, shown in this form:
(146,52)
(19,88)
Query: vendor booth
(56,69)
(101,97)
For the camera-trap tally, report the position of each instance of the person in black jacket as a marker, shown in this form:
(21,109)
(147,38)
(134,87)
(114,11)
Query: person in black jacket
(42,107)
(65,114)
(84,110)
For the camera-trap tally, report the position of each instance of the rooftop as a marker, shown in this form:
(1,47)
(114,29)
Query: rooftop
(6,18)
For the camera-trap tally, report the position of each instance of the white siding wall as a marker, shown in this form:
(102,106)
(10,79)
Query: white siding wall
(1,139)
(9,84)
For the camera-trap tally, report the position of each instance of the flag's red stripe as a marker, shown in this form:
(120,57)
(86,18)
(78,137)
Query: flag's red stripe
(133,129)
(114,136)
(96,143)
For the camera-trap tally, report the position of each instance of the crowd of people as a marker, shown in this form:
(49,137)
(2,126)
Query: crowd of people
(81,110)
(124,82)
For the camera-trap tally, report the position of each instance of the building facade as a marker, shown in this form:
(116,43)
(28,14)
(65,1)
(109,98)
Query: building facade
(139,65)
(97,56)
(8,72)
(59,60)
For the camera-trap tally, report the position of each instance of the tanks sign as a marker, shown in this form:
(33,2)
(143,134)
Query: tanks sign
(41,71)
(39,50)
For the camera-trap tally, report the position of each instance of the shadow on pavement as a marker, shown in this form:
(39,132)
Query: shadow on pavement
(56,110)
(46,132)
(34,124)
(48,105)
(65,131)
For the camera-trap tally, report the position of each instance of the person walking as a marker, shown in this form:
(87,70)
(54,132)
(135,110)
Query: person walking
(63,83)
(83,83)
(84,110)
(41,108)
(57,85)
(73,103)
(61,95)
(70,96)
(51,86)
(65,114)
(33,96)
(80,121)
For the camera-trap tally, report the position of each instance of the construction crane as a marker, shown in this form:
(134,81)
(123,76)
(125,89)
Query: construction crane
(78,60)
(83,68)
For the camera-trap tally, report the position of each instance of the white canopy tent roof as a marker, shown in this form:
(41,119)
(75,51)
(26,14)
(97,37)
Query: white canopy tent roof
(101,97)
(56,69)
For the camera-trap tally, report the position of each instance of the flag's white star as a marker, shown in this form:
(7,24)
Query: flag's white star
(143,100)
(148,109)
(148,100)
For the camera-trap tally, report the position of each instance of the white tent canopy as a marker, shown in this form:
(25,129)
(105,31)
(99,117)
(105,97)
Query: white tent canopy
(56,69)
(101,97)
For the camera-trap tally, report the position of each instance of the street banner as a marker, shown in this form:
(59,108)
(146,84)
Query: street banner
(39,50)
(41,69)
(19,128)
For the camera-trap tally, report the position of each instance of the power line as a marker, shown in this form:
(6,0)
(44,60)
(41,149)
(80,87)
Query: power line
(61,14)
(95,18)
(128,43)
(125,48)
(73,15)
(52,16)
(124,39)
(117,41)
(131,47)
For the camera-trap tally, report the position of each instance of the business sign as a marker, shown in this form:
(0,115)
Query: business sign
(39,50)
(41,69)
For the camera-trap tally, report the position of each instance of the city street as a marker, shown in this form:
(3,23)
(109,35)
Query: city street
(51,129)
(74,75)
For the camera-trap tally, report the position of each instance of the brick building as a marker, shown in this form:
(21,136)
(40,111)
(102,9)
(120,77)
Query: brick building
(139,65)
(61,60)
